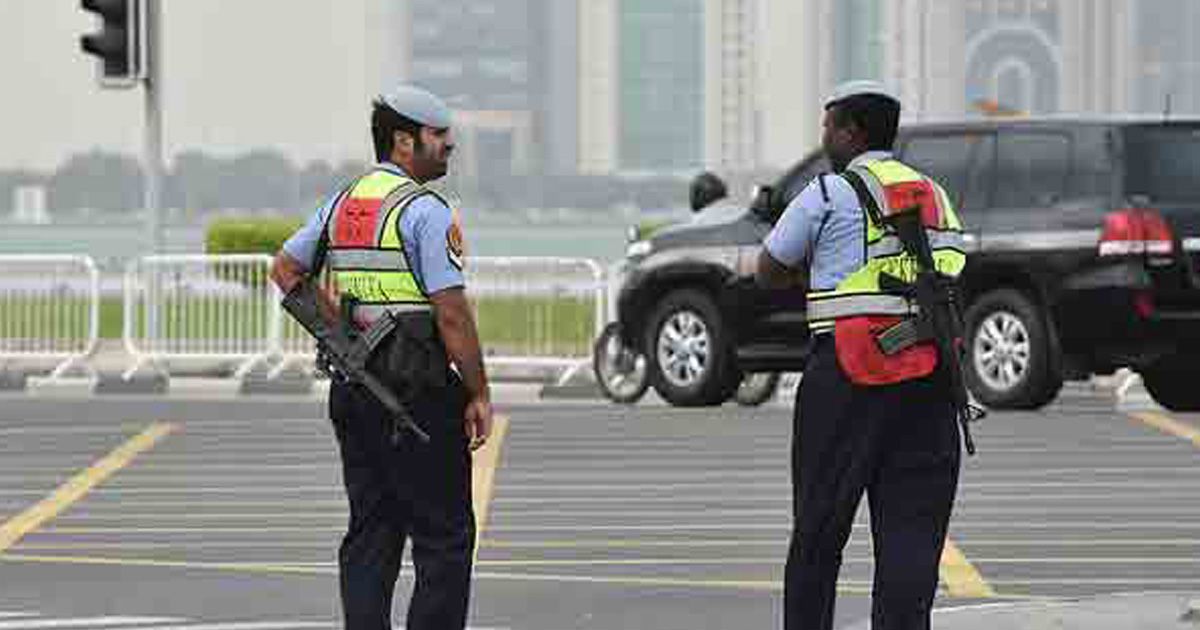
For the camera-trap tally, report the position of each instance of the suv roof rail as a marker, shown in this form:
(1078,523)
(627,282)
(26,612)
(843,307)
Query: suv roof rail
(1046,119)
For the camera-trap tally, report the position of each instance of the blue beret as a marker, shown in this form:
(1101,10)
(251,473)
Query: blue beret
(860,88)
(420,105)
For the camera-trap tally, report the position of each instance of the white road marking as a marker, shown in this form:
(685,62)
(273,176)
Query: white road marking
(84,622)
(250,625)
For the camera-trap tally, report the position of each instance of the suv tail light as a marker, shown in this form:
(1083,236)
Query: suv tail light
(1136,231)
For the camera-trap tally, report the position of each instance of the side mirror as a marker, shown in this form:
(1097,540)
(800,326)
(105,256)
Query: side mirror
(763,205)
(705,189)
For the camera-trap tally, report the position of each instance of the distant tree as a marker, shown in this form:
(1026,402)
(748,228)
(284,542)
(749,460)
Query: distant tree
(194,183)
(316,183)
(97,180)
(347,171)
(263,179)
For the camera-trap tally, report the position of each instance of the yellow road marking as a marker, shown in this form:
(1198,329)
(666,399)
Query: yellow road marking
(216,529)
(483,476)
(634,562)
(626,544)
(850,587)
(858,588)
(76,487)
(330,569)
(1170,425)
(961,579)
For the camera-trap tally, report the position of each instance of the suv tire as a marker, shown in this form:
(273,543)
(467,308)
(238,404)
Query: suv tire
(756,388)
(1172,384)
(620,372)
(1012,357)
(689,356)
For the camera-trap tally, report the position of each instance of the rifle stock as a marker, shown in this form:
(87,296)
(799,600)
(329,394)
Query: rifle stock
(336,345)
(935,297)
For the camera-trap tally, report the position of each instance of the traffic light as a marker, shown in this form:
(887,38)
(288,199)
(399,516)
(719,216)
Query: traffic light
(118,43)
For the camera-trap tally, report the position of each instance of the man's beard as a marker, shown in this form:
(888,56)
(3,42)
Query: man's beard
(430,166)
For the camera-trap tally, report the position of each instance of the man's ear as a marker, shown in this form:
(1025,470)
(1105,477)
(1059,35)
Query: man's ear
(402,139)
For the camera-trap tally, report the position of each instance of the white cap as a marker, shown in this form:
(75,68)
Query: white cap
(420,105)
(859,88)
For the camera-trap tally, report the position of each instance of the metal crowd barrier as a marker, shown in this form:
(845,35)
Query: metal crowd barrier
(224,311)
(49,310)
(201,308)
(537,311)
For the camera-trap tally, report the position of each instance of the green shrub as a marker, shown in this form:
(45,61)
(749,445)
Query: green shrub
(248,235)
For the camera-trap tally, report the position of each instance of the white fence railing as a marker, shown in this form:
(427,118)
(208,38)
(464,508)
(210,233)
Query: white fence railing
(49,310)
(530,311)
(537,311)
(224,310)
(199,307)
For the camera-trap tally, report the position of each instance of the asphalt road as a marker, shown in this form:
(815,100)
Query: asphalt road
(221,515)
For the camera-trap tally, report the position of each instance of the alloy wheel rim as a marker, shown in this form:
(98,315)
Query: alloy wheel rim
(1002,351)
(683,349)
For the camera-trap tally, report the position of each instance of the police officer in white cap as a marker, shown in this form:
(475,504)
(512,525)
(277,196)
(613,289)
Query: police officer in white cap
(394,249)
(873,413)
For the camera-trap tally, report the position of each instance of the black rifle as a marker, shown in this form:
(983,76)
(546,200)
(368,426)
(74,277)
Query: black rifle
(934,293)
(345,354)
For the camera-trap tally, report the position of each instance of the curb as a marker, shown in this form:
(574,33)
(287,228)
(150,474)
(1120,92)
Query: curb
(137,384)
(575,391)
(12,381)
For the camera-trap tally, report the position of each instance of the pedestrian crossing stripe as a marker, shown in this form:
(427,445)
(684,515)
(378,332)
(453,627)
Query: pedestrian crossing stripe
(84,622)
(33,621)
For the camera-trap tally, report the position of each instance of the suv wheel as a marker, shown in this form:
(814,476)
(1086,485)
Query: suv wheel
(1011,356)
(690,359)
(756,389)
(1172,384)
(620,371)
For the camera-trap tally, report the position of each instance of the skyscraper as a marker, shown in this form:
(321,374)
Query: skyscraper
(667,85)
(500,65)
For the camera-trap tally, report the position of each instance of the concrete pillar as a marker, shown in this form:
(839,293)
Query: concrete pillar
(599,86)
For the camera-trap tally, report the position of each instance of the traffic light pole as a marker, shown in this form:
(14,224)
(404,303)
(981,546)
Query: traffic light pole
(152,157)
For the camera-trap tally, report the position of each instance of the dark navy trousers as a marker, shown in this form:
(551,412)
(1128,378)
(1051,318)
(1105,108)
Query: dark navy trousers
(399,492)
(899,444)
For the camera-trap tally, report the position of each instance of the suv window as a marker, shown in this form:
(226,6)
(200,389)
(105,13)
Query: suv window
(1161,162)
(960,162)
(1092,172)
(1032,169)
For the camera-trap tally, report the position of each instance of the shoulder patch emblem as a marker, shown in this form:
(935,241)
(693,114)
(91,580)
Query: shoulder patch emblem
(456,247)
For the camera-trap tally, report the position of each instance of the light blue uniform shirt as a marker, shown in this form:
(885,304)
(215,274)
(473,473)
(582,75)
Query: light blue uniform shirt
(425,227)
(841,248)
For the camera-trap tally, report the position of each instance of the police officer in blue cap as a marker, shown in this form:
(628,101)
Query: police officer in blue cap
(393,248)
(875,413)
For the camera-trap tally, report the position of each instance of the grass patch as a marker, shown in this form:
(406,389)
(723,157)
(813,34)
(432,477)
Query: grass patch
(536,326)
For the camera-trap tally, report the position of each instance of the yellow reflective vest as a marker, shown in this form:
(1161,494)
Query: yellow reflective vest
(882,186)
(366,256)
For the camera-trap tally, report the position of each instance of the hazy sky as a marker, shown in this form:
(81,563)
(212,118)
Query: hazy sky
(238,74)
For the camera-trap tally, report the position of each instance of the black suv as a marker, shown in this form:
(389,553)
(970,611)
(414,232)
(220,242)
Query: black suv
(1084,239)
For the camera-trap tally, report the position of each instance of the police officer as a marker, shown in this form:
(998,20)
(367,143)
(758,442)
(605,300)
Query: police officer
(395,247)
(866,419)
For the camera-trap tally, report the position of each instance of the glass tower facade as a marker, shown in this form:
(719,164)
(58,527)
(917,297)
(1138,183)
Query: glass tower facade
(660,68)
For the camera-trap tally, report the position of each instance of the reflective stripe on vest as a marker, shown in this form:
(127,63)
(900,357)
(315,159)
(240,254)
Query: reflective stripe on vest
(372,312)
(366,249)
(368,260)
(848,304)
(890,244)
(888,183)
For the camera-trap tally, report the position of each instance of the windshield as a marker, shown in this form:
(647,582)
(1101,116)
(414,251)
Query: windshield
(1161,162)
